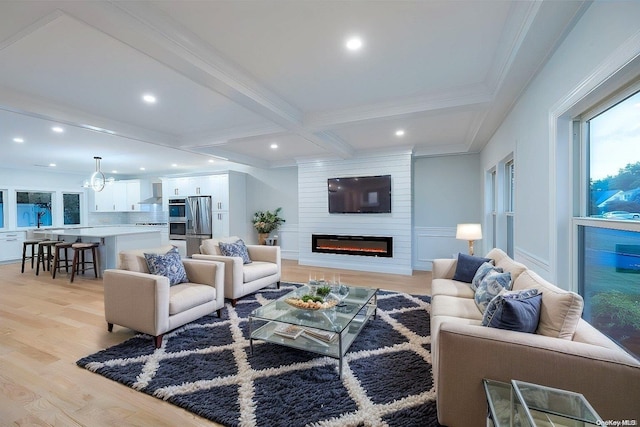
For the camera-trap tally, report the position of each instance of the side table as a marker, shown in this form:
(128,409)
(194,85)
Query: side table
(525,404)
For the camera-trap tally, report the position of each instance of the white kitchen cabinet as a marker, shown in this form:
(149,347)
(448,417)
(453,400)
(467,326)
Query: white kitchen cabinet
(230,205)
(134,196)
(118,196)
(188,186)
(103,200)
(220,192)
(11,245)
(221,224)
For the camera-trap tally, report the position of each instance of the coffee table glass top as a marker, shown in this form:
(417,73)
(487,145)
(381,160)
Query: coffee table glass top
(334,319)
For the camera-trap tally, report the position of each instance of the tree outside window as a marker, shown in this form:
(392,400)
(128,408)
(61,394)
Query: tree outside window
(71,207)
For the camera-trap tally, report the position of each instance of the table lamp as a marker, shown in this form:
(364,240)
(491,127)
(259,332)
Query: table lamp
(469,232)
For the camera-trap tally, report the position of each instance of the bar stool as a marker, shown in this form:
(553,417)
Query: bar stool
(45,253)
(57,260)
(79,258)
(32,243)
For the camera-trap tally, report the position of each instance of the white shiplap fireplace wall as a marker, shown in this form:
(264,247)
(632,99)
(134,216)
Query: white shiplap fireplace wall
(314,217)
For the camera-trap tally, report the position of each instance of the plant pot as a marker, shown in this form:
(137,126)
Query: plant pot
(262,238)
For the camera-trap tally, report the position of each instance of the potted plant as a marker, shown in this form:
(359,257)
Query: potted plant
(265,222)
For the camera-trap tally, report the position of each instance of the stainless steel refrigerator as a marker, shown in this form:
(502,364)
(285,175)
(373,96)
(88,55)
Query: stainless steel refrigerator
(199,222)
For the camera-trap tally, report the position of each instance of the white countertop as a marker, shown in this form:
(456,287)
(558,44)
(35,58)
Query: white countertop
(99,231)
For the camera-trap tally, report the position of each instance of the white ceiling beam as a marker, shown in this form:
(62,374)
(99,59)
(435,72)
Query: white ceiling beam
(462,97)
(152,32)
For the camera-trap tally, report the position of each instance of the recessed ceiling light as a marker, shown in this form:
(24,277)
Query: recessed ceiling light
(354,43)
(399,132)
(114,171)
(57,129)
(53,165)
(174,165)
(148,98)
(18,140)
(142,169)
(274,146)
(211,160)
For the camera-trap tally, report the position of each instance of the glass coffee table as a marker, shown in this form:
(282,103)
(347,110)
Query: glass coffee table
(524,404)
(329,332)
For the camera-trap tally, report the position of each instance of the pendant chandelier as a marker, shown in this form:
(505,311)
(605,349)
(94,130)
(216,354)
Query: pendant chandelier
(97,180)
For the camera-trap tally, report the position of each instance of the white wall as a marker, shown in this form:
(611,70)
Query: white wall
(446,192)
(529,131)
(314,217)
(268,189)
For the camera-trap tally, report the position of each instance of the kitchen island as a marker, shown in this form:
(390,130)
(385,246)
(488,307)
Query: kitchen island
(112,240)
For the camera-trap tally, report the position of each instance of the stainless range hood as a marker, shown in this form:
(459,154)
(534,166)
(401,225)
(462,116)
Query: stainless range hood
(156,199)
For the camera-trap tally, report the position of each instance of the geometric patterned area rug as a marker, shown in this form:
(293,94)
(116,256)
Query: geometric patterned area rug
(206,367)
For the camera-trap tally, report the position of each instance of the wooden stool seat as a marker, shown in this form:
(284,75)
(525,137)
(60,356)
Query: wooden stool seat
(79,262)
(57,261)
(32,243)
(45,255)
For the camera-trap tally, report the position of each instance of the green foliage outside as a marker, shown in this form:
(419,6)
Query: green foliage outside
(619,310)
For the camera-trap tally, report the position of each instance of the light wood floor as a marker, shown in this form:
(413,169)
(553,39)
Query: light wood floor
(46,325)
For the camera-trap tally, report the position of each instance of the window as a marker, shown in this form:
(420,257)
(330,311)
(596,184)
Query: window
(493,194)
(33,209)
(614,161)
(1,209)
(609,251)
(71,208)
(509,173)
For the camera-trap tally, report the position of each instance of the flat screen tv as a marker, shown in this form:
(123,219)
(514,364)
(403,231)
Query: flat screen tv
(361,194)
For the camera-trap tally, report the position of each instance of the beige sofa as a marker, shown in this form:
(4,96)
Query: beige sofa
(144,302)
(242,279)
(566,352)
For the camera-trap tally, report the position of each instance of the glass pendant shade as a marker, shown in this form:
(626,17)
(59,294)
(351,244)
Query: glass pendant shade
(97,180)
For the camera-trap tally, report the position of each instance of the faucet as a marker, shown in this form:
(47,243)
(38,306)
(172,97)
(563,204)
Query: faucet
(40,215)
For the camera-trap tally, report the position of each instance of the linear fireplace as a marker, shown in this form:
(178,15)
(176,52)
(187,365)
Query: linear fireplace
(352,245)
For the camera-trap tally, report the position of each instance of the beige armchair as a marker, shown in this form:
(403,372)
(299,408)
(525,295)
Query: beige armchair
(242,279)
(144,302)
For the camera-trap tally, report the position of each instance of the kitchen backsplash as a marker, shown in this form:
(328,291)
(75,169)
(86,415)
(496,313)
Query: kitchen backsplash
(118,218)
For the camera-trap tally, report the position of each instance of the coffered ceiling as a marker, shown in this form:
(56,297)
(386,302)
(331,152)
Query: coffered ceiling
(233,78)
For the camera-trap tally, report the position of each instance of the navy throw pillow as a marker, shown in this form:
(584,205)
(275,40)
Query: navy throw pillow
(168,265)
(467,266)
(235,249)
(514,311)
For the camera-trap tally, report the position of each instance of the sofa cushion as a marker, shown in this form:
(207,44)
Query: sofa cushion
(184,296)
(257,270)
(514,311)
(467,266)
(560,311)
(490,286)
(445,305)
(502,260)
(482,272)
(451,287)
(168,265)
(134,260)
(212,246)
(235,249)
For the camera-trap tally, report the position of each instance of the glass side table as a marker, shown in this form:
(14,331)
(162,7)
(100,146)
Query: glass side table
(531,405)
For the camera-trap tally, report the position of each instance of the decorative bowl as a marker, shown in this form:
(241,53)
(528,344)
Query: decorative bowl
(311,305)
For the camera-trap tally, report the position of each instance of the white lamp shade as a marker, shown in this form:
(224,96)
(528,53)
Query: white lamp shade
(469,232)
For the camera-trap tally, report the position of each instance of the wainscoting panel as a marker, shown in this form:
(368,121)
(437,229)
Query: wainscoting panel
(435,242)
(537,264)
(288,240)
